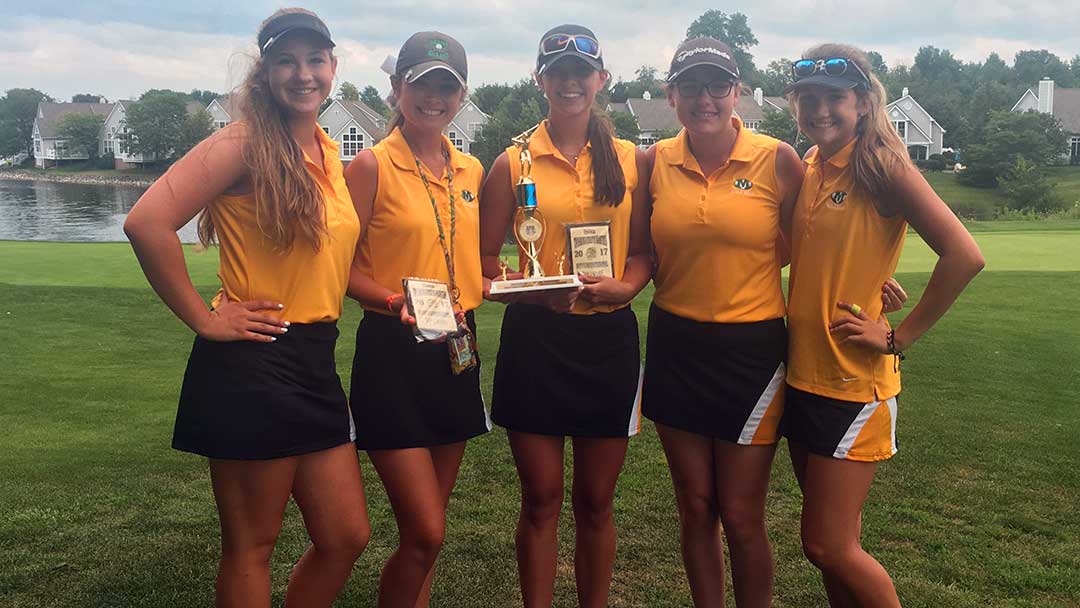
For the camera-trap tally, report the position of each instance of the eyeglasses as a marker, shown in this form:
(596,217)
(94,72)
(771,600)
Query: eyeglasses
(836,66)
(718,89)
(557,43)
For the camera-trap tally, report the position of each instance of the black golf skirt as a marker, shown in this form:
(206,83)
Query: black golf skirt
(403,393)
(248,400)
(566,374)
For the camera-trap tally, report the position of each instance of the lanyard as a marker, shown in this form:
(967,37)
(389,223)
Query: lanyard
(448,252)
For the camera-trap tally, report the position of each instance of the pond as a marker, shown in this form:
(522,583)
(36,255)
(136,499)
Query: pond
(54,211)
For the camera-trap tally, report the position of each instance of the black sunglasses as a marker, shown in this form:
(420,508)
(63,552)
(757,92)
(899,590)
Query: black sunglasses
(836,66)
(718,89)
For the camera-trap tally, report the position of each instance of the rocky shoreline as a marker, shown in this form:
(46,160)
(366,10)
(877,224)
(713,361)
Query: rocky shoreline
(99,180)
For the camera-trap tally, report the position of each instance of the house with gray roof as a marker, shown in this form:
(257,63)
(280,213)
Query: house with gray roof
(922,135)
(49,148)
(354,125)
(1064,105)
(656,118)
(467,126)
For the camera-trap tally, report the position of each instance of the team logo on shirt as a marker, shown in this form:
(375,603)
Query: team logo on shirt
(838,197)
(744,184)
(468,197)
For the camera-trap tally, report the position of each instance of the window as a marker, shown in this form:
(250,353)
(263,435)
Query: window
(60,148)
(1074,150)
(647,140)
(37,147)
(454,139)
(326,130)
(476,128)
(351,142)
(220,125)
(901,129)
(109,146)
(753,125)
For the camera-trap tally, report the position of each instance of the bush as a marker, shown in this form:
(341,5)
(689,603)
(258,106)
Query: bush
(931,164)
(1026,189)
(104,162)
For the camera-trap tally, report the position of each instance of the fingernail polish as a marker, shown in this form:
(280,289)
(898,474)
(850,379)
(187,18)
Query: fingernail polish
(287,324)
(284,330)
(273,339)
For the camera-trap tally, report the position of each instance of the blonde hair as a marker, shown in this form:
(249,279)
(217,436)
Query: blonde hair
(288,202)
(879,153)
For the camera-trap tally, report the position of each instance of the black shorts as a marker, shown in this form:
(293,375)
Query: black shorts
(722,380)
(403,393)
(846,430)
(256,400)
(569,375)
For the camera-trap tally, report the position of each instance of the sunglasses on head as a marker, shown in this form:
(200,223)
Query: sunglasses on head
(718,89)
(836,66)
(557,43)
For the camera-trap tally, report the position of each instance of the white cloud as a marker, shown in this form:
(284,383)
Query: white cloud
(135,52)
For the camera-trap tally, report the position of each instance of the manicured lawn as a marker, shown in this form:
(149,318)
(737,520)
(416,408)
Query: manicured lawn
(982,203)
(977,509)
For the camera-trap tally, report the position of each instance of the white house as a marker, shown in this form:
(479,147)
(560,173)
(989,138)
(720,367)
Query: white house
(916,127)
(467,126)
(353,125)
(223,110)
(49,148)
(1063,104)
(656,118)
(112,132)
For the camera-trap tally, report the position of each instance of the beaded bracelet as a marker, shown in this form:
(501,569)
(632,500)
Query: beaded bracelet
(898,356)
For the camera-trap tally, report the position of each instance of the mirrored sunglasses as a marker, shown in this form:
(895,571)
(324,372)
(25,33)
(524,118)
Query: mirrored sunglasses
(557,43)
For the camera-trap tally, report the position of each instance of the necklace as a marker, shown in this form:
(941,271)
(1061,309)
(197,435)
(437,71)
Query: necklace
(448,252)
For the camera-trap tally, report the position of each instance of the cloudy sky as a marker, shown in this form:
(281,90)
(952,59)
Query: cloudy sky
(120,48)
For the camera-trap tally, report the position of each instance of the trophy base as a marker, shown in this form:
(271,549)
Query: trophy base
(565,281)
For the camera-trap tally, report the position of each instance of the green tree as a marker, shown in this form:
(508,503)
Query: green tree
(18,108)
(626,126)
(487,96)
(203,97)
(1033,66)
(348,91)
(782,126)
(523,107)
(877,62)
(155,125)
(1027,189)
(1007,136)
(196,127)
(82,132)
(734,30)
(370,96)
(776,76)
(86,98)
(646,79)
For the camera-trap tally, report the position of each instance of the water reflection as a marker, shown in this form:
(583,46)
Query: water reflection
(53,211)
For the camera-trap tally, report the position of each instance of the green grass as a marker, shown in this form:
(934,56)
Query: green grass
(977,509)
(984,203)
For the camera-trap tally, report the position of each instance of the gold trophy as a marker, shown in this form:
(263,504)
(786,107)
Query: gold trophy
(529,233)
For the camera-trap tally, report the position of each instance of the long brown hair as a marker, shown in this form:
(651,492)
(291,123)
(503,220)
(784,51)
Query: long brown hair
(288,202)
(879,153)
(609,183)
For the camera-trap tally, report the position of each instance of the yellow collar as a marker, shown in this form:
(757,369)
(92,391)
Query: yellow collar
(403,157)
(680,154)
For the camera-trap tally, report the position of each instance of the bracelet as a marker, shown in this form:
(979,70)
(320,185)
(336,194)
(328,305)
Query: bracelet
(898,356)
(390,301)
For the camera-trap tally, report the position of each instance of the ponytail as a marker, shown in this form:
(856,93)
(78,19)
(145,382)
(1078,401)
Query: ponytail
(609,183)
